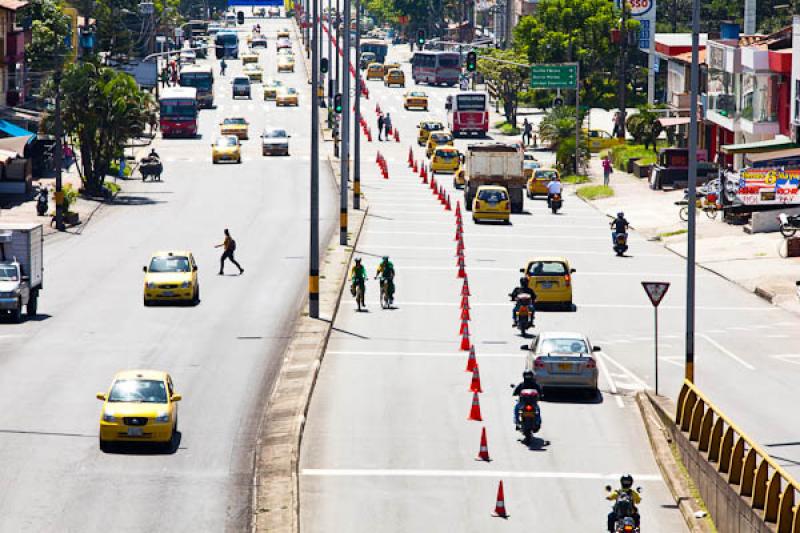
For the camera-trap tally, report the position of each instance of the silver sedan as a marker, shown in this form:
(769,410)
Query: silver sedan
(563,359)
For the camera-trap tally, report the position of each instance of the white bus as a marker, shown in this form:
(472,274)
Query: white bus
(201,77)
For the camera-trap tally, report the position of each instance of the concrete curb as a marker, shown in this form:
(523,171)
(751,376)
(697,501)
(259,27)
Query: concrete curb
(654,410)
(276,480)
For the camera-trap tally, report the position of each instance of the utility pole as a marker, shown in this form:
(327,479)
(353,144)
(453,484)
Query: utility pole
(59,152)
(623,68)
(345,130)
(357,116)
(694,82)
(331,88)
(313,264)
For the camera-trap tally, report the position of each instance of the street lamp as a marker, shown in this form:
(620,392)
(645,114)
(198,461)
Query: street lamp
(59,152)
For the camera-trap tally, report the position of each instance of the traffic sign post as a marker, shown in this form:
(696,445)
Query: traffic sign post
(655,291)
(554,76)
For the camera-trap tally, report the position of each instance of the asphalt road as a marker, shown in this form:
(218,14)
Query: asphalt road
(387,445)
(223,354)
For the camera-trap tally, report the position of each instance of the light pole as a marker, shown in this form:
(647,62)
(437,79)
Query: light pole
(59,152)
(331,88)
(357,116)
(344,132)
(690,250)
(313,264)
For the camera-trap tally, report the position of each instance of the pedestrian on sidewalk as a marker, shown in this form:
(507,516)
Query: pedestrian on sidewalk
(527,129)
(380,126)
(387,123)
(617,121)
(69,157)
(164,77)
(606,170)
(228,247)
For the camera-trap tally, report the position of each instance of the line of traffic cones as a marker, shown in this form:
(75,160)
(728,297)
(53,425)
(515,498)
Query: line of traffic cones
(382,165)
(396,135)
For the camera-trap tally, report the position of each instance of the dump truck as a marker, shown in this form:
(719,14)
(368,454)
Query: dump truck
(21,254)
(495,164)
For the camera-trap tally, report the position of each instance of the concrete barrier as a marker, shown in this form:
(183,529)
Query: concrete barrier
(767,221)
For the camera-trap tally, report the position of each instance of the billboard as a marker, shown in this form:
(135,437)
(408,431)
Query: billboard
(768,186)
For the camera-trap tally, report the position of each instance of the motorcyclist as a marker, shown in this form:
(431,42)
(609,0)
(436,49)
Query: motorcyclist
(358,275)
(619,225)
(528,382)
(153,156)
(386,273)
(522,289)
(553,187)
(626,486)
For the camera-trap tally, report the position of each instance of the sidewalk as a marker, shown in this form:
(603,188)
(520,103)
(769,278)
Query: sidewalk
(752,261)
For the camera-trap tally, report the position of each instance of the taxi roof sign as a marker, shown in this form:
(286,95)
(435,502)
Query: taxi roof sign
(655,291)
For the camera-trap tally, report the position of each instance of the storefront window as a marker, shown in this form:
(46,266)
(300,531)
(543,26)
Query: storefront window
(759,97)
(721,92)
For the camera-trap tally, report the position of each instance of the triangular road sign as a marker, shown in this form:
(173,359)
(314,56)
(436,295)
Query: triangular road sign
(655,291)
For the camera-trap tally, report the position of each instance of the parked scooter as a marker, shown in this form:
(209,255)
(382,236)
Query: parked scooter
(41,202)
(789,224)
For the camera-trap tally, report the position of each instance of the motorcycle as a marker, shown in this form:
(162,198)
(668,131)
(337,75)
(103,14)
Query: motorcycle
(524,313)
(620,243)
(625,512)
(41,202)
(530,417)
(789,224)
(150,167)
(555,203)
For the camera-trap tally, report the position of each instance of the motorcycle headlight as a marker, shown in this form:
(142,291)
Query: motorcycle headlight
(185,285)
(151,285)
(107,417)
(162,417)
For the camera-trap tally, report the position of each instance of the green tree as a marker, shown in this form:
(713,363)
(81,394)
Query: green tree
(510,79)
(383,10)
(50,28)
(557,129)
(644,127)
(102,108)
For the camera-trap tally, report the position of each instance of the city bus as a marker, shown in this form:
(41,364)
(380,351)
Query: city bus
(435,68)
(468,113)
(178,112)
(201,77)
(378,47)
(227,43)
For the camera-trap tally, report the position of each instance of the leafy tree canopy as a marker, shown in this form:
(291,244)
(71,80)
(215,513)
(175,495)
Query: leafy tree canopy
(510,79)
(49,29)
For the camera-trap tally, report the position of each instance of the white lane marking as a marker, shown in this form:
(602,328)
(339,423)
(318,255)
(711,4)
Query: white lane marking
(399,472)
(561,251)
(727,352)
(791,358)
(778,336)
(676,360)
(459,355)
(639,381)
(611,384)
(400,304)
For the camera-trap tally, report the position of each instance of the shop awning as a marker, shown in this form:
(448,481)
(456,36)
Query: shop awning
(12,130)
(673,121)
(780,142)
(776,154)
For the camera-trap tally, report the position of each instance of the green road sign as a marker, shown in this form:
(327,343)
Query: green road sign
(554,76)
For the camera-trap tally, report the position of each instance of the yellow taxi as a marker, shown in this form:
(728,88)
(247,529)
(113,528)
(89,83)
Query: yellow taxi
(254,72)
(445,159)
(375,71)
(285,63)
(389,66)
(234,126)
(171,276)
(436,139)
(271,87)
(425,128)
(394,76)
(537,183)
(460,177)
(491,202)
(599,140)
(283,32)
(140,406)
(287,96)
(551,280)
(416,100)
(226,148)
(249,57)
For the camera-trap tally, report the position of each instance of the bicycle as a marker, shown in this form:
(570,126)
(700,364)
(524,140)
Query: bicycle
(386,295)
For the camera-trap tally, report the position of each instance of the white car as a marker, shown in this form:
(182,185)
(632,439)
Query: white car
(563,359)
(188,56)
(275,141)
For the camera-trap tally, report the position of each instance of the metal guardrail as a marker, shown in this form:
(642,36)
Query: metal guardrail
(761,480)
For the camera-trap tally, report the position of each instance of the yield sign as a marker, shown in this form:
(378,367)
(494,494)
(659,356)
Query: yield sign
(655,290)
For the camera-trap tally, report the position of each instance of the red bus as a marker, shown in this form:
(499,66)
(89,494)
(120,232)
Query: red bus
(468,112)
(178,111)
(435,68)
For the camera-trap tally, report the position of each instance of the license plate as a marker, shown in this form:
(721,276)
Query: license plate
(528,414)
(135,432)
(168,293)
(547,284)
(565,366)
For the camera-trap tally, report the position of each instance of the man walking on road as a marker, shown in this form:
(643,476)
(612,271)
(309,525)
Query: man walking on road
(387,123)
(380,126)
(527,130)
(228,246)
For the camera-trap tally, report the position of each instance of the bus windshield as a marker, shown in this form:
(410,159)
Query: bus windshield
(227,38)
(448,61)
(198,80)
(178,108)
(471,102)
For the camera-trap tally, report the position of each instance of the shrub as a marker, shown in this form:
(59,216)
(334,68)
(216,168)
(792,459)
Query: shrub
(595,192)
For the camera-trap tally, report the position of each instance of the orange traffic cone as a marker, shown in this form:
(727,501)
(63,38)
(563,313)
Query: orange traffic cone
(475,384)
(410,156)
(475,411)
(471,361)
(378,157)
(464,327)
(465,302)
(461,272)
(377,108)
(385,173)
(424,175)
(465,314)
(447,203)
(500,506)
(465,345)
(396,135)
(465,287)
(460,246)
(369,134)
(459,234)
(414,166)
(458,208)
(483,451)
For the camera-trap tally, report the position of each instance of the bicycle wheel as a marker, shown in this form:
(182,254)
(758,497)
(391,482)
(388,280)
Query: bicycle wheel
(787,231)
(711,212)
(684,213)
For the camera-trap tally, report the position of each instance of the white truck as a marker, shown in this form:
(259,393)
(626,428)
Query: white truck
(495,164)
(21,254)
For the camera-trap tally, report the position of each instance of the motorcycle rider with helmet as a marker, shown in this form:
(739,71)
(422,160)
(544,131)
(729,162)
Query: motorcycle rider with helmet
(528,383)
(523,288)
(626,487)
(620,225)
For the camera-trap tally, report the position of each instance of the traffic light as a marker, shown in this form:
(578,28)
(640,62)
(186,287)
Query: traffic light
(472,61)
(323,65)
(337,103)
(240,17)
(420,37)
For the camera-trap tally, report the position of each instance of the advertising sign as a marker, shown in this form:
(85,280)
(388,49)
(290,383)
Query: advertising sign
(766,186)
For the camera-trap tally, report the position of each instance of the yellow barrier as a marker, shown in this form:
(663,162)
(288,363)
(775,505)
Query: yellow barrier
(768,487)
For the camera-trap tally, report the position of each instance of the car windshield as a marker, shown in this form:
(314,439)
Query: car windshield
(492,196)
(291,90)
(433,126)
(441,138)
(446,154)
(224,142)
(138,390)
(417,94)
(251,67)
(241,81)
(546,174)
(169,263)
(238,121)
(547,268)
(577,346)
(275,134)
(8,273)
